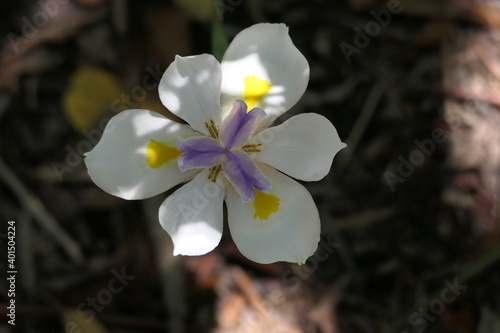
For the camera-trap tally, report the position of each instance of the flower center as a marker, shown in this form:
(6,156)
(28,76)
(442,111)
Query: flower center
(226,149)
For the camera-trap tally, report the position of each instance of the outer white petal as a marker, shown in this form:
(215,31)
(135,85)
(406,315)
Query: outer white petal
(192,216)
(266,51)
(190,88)
(302,147)
(118,165)
(291,234)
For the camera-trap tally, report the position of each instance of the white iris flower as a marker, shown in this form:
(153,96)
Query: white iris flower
(227,152)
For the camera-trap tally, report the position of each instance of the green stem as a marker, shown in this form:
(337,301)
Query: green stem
(219,38)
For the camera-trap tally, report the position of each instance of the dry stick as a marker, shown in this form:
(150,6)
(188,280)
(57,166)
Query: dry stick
(471,270)
(171,268)
(361,220)
(33,205)
(245,283)
(363,120)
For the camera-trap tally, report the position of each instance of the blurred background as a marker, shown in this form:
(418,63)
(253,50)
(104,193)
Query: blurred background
(410,210)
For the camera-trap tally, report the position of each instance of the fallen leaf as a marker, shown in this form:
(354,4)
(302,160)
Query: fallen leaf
(92,91)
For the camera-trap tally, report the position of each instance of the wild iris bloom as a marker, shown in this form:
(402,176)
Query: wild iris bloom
(228,153)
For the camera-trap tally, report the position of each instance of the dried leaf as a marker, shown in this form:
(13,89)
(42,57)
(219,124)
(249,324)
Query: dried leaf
(62,20)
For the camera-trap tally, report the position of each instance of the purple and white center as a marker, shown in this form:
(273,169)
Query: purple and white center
(226,151)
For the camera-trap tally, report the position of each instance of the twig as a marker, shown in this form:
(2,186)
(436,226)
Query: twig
(363,120)
(33,205)
(361,220)
(245,284)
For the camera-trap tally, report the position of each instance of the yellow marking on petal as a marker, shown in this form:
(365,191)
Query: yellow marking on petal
(158,153)
(265,205)
(255,89)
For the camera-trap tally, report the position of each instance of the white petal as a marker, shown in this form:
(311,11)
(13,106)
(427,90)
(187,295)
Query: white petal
(118,163)
(303,147)
(267,52)
(192,216)
(290,234)
(190,88)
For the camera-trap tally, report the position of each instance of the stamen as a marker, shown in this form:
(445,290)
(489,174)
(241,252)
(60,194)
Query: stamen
(214,172)
(251,148)
(212,130)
